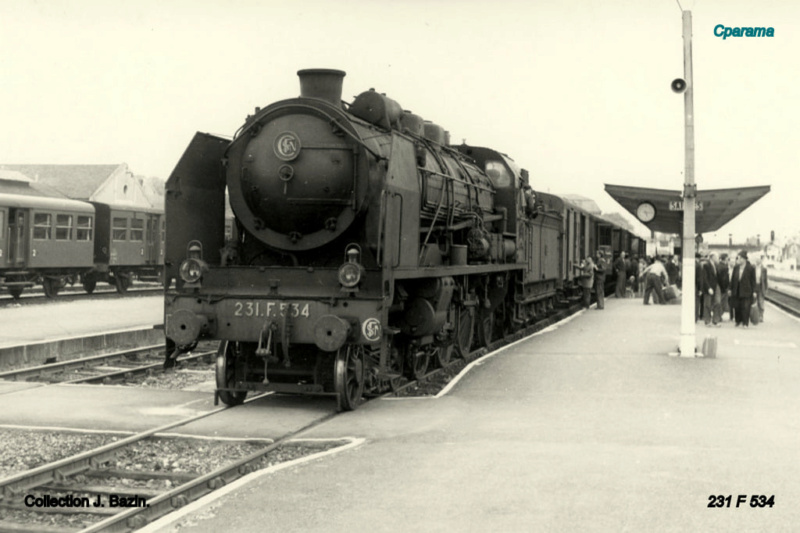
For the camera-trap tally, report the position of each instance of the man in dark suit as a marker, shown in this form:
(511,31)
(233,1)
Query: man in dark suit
(698,287)
(743,288)
(711,299)
(672,270)
(621,271)
(723,280)
(732,304)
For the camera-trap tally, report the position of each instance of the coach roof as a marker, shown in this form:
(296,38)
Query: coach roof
(44,202)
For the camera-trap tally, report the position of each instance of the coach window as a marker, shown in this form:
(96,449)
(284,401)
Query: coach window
(84,230)
(42,223)
(119,229)
(63,227)
(137,229)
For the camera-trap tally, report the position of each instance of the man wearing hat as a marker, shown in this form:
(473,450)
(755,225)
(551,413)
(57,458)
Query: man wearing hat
(743,288)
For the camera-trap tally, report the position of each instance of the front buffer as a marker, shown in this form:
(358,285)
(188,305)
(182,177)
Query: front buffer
(281,343)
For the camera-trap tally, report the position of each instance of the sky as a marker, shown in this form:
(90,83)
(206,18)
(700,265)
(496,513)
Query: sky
(576,91)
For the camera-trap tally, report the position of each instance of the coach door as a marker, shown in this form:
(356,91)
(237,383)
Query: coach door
(151,248)
(17,244)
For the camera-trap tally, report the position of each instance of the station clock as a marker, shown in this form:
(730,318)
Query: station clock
(646,212)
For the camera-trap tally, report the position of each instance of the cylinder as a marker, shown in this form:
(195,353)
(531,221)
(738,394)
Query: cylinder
(421,318)
(509,248)
(322,83)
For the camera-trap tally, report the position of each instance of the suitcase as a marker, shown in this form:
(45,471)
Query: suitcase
(669,293)
(755,314)
(710,347)
(672,294)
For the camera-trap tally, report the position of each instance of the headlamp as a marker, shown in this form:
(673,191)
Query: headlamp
(350,275)
(192,270)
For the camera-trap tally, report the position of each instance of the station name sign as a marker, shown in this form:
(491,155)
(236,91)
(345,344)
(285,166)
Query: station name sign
(678,206)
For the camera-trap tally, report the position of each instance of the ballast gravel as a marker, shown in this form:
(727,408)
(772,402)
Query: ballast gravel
(166,455)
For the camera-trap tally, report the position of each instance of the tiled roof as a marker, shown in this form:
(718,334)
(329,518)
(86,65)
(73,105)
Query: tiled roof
(26,189)
(13,176)
(75,181)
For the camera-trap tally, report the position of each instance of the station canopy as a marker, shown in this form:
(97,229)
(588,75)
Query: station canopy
(714,208)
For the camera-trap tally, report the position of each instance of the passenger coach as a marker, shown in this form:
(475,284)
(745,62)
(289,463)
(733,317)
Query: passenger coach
(43,237)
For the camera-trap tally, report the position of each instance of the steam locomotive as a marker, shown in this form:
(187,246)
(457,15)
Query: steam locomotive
(365,246)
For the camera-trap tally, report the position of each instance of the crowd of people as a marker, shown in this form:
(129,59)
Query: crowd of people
(730,285)
(723,284)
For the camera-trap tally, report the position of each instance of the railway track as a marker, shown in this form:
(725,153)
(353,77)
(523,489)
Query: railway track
(83,479)
(77,293)
(84,475)
(107,368)
(785,300)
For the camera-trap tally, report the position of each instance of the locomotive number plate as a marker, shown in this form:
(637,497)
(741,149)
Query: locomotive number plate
(266,309)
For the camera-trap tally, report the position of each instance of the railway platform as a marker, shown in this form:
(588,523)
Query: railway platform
(587,426)
(34,333)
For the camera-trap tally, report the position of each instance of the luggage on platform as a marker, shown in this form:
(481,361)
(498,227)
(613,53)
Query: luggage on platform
(755,314)
(672,294)
(710,347)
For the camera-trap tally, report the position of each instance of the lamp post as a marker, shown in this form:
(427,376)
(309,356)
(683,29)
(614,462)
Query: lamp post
(687,343)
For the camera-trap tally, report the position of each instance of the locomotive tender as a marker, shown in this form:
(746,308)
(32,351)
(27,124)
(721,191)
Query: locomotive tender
(365,246)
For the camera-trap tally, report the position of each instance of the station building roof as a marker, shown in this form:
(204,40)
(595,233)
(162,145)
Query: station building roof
(14,182)
(715,207)
(79,182)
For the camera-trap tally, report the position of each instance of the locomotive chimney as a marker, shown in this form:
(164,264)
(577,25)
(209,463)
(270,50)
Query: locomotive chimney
(322,83)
